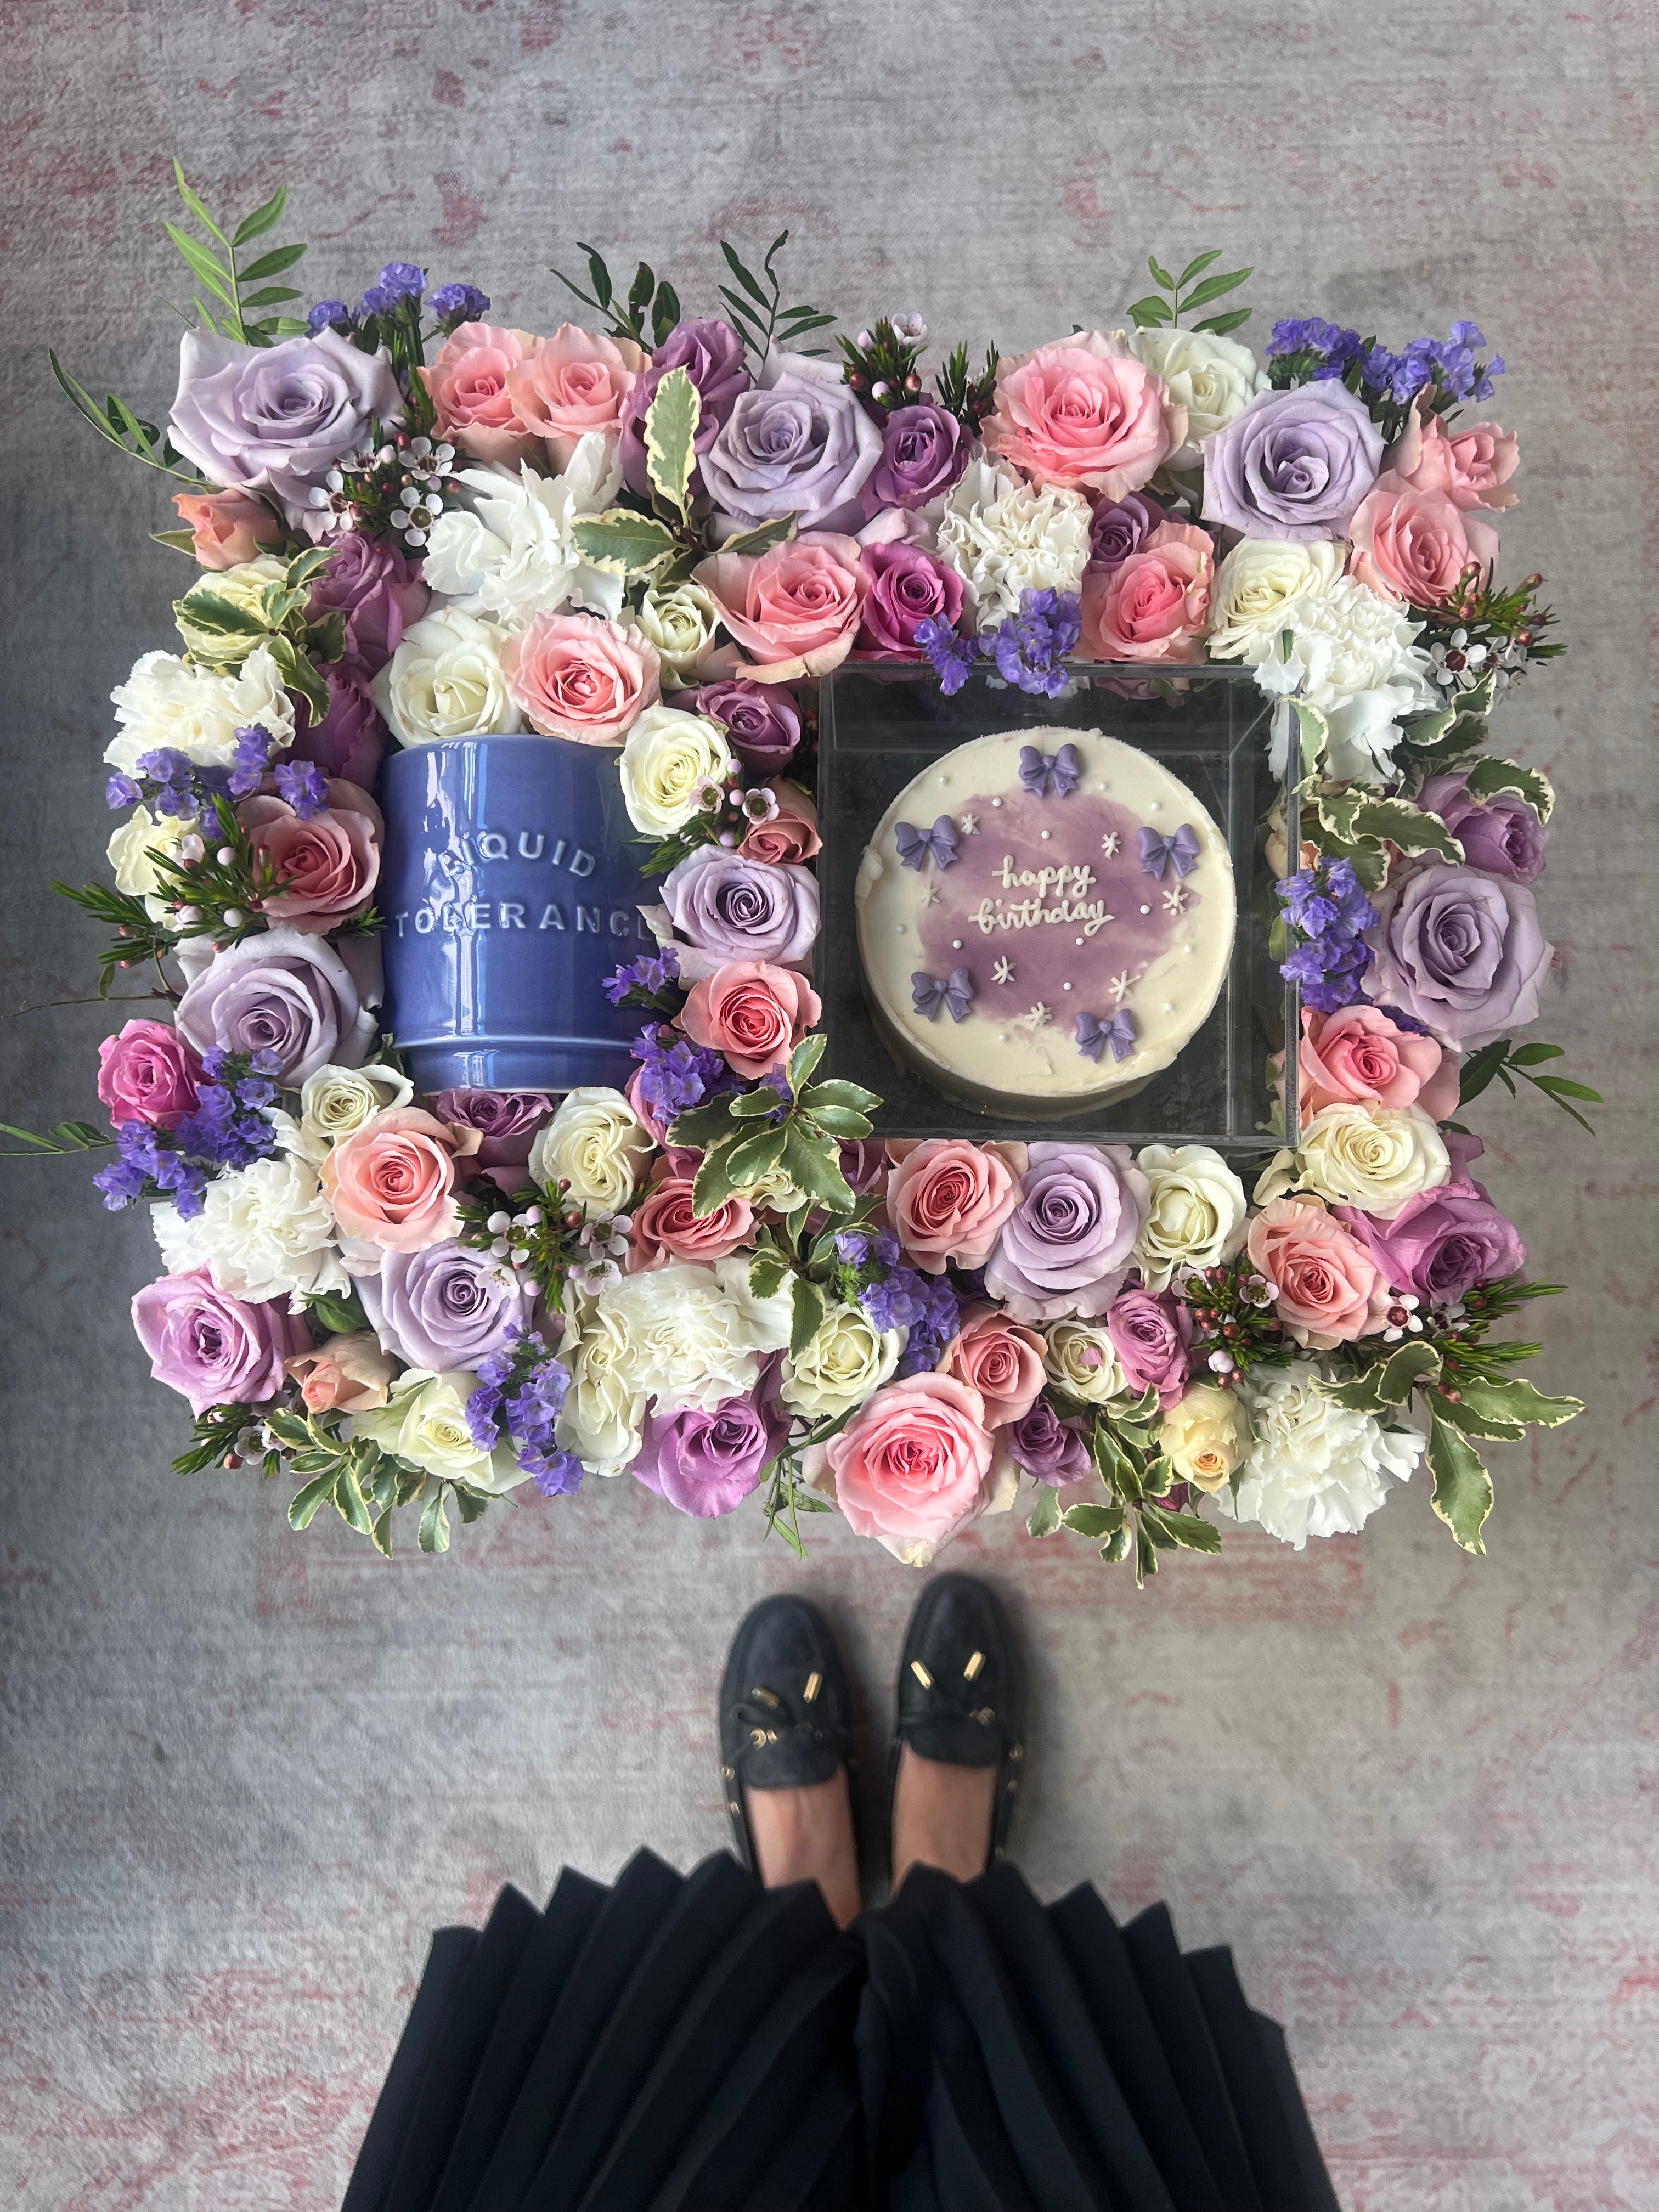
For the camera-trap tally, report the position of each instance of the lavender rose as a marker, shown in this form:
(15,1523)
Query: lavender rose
(706,1463)
(864,1163)
(286,993)
(1441,1243)
(711,354)
(446,1307)
(1293,463)
(1499,833)
(277,418)
(509,1121)
(734,909)
(1151,1334)
(797,444)
(1046,1447)
(379,592)
(1120,527)
(924,450)
(350,742)
(763,722)
(1066,1248)
(212,1348)
(1460,952)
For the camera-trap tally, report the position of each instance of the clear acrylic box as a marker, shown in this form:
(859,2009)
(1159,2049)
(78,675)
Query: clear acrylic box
(879,726)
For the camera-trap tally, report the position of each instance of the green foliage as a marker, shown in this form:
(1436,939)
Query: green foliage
(219,633)
(626,319)
(756,310)
(1463,1488)
(1488,776)
(137,938)
(970,398)
(117,425)
(1503,1060)
(670,441)
(1437,740)
(803,1136)
(62,1136)
(216,269)
(1356,825)
(1133,1520)
(624,542)
(1156,311)
(1391,1382)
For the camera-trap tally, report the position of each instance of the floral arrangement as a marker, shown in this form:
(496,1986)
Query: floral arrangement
(649,532)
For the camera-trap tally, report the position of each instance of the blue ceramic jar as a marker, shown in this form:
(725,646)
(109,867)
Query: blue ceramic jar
(510,888)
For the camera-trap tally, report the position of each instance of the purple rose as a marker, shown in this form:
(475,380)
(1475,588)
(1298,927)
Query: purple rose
(706,1463)
(1120,527)
(732,908)
(509,1121)
(286,993)
(1293,463)
(924,451)
(1046,1447)
(711,354)
(864,1165)
(277,418)
(379,592)
(1152,1335)
(448,1307)
(1499,833)
(762,719)
(797,444)
(1441,1243)
(350,739)
(212,1348)
(1066,1247)
(908,586)
(1460,952)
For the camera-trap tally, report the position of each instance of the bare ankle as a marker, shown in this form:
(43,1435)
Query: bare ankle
(941,1816)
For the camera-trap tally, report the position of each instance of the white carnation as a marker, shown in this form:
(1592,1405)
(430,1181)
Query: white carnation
(769,1322)
(596,1144)
(1314,1468)
(511,553)
(690,1344)
(445,680)
(168,702)
(1213,379)
(265,1232)
(1353,657)
(1003,539)
(604,1408)
(133,847)
(1196,1216)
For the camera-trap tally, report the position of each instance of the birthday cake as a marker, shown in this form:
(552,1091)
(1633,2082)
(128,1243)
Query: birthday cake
(1044,920)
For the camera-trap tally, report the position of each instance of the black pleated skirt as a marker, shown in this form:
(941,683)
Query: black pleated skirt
(699,2044)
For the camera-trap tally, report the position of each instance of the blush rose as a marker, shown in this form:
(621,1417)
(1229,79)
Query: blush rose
(753,1012)
(1359,1057)
(470,385)
(1000,1359)
(393,1183)
(1084,414)
(580,676)
(327,865)
(1155,604)
(794,609)
(228,527)
(574,382)
(911,1469)
(1329,1288)
(947,1199)
(666,1225)
(1418,546)
(792,835)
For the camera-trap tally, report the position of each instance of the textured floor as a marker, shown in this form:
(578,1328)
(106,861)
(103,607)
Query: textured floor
(244,1772)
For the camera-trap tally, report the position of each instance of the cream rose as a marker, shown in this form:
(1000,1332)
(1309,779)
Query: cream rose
(424,1421)
(847,1359)
(133,849)
(1003,539)
(1196,1216)
(245,586)
(338,1101)
(668,757)
(445,680)
(1372,1157)
(1082,1360)
(1212,378)
(1257,584)
(168,702)
(681,624)
(594,1143)
(1203,1436)
(604,1408)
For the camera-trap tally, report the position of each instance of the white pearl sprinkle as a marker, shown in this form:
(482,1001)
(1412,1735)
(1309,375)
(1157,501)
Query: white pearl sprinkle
(1078,940)
(1190,948)
(1065,986)
(1045,836)
(996,802)
(1155,807)
(1002,1037)
(1168,1006)
(956,944)
(1145,909)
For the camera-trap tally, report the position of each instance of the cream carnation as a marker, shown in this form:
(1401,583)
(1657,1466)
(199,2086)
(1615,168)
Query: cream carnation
(133,849)
(1352,656)
(1314,1468)
(597,1145)
(668,757)
(1082,1360)
(1212,378)
(512,553)
(166,701)
(265,1232)
(445,680)
(1003,539)
(1372,1157)
(424,1421)
(847,1359)
(681,623)
(689,1344)
(1259,585)
(1196,1216)
(604,1408)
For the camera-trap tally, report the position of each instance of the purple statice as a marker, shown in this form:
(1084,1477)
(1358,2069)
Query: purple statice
(168,781)
(458,303)
(303,786)
(1319,349)
(397,282)
(520,1390)
(226,1129)
(329,314)
(1449,363)
(1327,907)
(122,791)
(951,654)
(675,1075)
(254,748)
(925,1305)
(874,1248)
(650,981)
(1030,647)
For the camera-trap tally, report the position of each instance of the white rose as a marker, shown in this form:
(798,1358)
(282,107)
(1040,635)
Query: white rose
(245,586)
(604,1408)
(424,1421)
(512,554)
(1196,1216)
(1203,1434)
(1352,656)
(668,753)
(166,701)
(1082,1359)
(690,1344)
(338,1101)
(595,1143)
(1003,539)
(681,623)
(1314,1468)
(1213,378)
(847,1359)
(1372,1157)
(445,680)
(1258,585)
(266,1231)
(132,851)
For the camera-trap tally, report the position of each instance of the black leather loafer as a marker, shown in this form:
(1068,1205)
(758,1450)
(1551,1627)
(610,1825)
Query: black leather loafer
(786,1710)
(962,1691)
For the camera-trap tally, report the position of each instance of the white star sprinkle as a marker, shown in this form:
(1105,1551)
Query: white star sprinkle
(1175,899)
(1039,1017)
(1002,971)
(930,892)
(1111,844)
(969,825)
(1120,987)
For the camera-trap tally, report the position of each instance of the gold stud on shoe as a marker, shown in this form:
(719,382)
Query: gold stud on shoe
(814,1684)
(729,1773)
(973,1667)
(756,1738)
(768,1698)
(921,1675)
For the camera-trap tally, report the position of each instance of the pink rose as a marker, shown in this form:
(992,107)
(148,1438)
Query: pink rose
(792,836)
(1150,1335)
(1000,1359)
(346,1375)
(1417,545)
(1085,413)
(228,527)
(1471,467)
(214,1349)
(1330,1290)
(469,385)
(1154,606)
(392,1181)
(908,586)
(753,1012)
(327,865)
(667,1226)
(574,382)
(1359,1057)
(147,1073)
(947,1200)
(912,1467)
(580,676)
(794,609)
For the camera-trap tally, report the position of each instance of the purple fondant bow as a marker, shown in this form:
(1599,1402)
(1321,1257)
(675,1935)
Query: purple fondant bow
(929,993)
(938,844)
(1050,775)
(1093,1036)
(1156,852)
